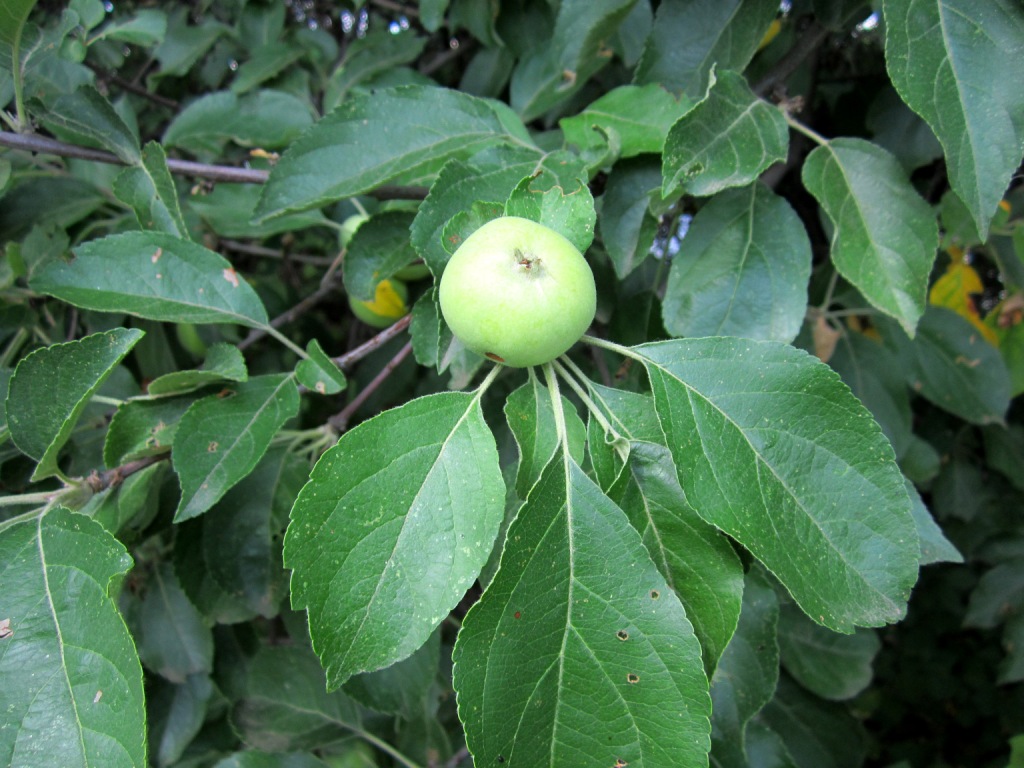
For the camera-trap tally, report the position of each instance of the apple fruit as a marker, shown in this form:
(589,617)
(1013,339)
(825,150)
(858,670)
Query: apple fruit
(387,306)
(349,227)
(518,292)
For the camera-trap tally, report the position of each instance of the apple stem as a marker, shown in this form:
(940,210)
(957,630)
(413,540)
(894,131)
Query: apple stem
(556,405)
(617,439)
(613,347)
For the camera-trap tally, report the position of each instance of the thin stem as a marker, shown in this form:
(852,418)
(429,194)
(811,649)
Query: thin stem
(286,341)
(830,290)
(11,350)
(613,347)
(852,312)
(382,745)
(28,498)
(556,405)
(104,400)
(810,40)
(810,133)
(19,85)
(273,253)
(340,420)
(289,315)
(591,406)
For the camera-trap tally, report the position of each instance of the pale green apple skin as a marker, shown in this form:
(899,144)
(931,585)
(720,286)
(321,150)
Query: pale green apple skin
(518,292)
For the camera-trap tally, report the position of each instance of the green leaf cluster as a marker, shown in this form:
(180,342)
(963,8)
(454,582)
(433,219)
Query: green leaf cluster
(239,527)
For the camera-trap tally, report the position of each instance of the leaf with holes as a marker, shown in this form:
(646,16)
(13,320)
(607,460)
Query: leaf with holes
(579,652)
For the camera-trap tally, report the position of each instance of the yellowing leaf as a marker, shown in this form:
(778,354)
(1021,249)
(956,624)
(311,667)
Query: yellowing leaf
(955,290)
(387,302)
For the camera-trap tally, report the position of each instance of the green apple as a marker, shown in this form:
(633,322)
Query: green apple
(388,304)
(349,227)
(518,292)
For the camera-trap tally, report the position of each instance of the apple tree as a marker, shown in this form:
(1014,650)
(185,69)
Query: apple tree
(582,383)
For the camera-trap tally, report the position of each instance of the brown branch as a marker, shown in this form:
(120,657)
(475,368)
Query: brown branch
(253,249)
(111,478)
(349,358)
(31,142)
(340,420)
(128,85)
(289,315)
(809,41)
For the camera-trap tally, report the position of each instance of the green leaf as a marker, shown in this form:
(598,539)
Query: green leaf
(13,16)
(69,374)
(935,547)
(319,372)
(830,665)
(695,559)
(950,364)
(747,674)
(632,416)
(155,276)
(223,363)
(766,441)
(379,248)
(394,135)
(741,270)
(266,119)
(948,60)
(402,688)
(130,506)
(91,118)
(394,525)
(817,734)
(149,189)
(691,37)
(639,115)
(266,62)
(365,57)
(143,428)
(186,42)
(626,224)
(579,653)
(35,200)
(560,66)
(176,714)
(561,202)
(222,437)
(228,209)
(229,559)
(490,175)
(173,639)
(885,236)
(532,421)
(285,704)
(874,374)
(73,691)
(727,140)
(146,28)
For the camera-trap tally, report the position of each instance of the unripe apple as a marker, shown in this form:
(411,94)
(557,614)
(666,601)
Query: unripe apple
(349,227)
(518,292)
(388,304)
